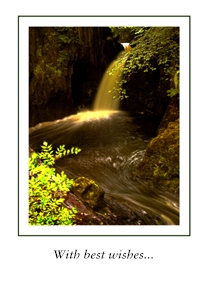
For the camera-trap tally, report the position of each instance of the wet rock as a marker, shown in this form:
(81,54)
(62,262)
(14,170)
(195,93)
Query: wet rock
(117,212)
(95,209)
(161,160)
(112,212)
(170,115)
(88,191)
(160,163)
(85,215)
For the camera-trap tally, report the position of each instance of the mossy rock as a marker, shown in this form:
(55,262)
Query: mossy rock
(171,114)
(161,160)
(88,191)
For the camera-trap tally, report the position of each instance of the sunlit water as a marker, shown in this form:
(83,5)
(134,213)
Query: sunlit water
(107,98)
(112,146)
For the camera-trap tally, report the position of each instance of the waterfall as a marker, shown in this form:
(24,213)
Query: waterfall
(112,146)
(126,46)
(106,97)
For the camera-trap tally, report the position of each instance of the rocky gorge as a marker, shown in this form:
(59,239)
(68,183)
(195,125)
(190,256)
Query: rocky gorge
(66,65)
(65,69)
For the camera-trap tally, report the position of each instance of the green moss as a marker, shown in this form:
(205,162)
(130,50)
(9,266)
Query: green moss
(165,150)
(88,191)
(161,161)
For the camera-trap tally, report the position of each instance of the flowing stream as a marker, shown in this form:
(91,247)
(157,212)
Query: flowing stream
(112,145)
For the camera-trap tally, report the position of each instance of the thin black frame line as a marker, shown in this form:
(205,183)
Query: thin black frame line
(190,125)
(104,16)
(18,127)
(111,235)
(189,234)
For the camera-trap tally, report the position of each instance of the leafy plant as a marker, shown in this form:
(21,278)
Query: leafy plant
(152,48)
(48,189)
(68,35)
(172,92)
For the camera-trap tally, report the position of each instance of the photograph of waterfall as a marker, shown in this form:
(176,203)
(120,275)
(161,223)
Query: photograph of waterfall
(104,128)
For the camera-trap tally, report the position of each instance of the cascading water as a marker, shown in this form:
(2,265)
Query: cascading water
(104,99)
(112,146)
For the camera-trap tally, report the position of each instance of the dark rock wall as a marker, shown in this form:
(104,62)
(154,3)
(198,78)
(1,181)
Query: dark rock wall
(147,93)
(154,62)
(161,160)
(65,67)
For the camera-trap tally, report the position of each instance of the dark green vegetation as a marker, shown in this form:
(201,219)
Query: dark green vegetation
(53,49)
(48,189)
(153,48)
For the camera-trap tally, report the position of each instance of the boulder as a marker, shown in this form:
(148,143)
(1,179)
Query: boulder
(88,191)
(171,114)
(111,212)
(161,160)
(85,215)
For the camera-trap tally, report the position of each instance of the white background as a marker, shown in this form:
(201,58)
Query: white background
(28,263)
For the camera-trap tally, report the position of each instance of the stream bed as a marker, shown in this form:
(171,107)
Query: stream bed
(112,144)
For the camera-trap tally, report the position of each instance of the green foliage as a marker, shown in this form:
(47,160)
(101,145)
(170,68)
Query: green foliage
(51,48)
(68,35)
(119,91)
(126,33)
(157,46)
(152,48)
(48,189)
(172,92)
